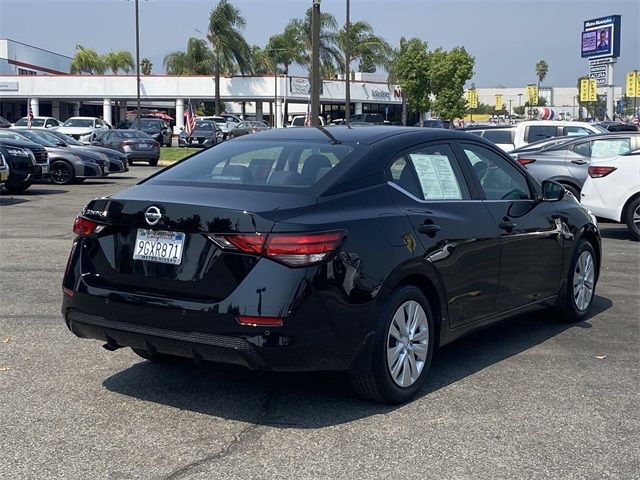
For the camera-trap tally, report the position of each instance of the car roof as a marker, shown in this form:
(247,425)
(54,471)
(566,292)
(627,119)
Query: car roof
(365,134)
(82,118)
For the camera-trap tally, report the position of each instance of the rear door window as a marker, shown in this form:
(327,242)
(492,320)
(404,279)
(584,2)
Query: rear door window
(572,131)
(540,132)
(430,173)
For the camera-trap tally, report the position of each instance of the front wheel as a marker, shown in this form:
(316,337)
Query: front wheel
(153,162)
(403,347)
(633,218)
(581,283)
(62,172)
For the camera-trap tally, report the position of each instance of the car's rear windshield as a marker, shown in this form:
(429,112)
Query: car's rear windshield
(267,163)
(78,122)
(148,123)
(205,125)
(133,134)
(36,122)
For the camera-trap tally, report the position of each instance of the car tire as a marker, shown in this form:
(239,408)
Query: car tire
(62,172)
(405,337)
(231,136)
(572,190)
(153,162)
(582,273)
(130,162)
(632,218)
(155,357)
(17,189)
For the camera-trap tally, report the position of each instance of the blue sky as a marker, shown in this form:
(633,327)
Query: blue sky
(507,37)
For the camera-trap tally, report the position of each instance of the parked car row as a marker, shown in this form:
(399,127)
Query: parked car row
(602,171)
(40,154)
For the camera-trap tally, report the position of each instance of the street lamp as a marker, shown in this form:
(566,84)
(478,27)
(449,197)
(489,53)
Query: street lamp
(315,62)
(519,100)
(137,62)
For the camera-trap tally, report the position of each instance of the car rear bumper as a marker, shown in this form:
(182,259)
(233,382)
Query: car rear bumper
(142,155)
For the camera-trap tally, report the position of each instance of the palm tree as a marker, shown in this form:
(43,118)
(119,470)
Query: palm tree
(146,66)
(285,48)
(542,68)
(369,49)
(119,60)
(196,60)
(262,61)
(87,60)
(230,49)
(329,54)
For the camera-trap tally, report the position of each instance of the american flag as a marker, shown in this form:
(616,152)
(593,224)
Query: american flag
(191,120)
(29,114)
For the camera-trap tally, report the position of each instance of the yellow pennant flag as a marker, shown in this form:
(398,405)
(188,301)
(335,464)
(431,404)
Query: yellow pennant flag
(499,103)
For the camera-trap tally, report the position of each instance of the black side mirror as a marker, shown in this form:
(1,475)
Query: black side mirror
(552,191)
(61,144)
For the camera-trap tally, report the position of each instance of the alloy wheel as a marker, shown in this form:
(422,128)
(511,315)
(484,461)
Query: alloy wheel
(636,217)
(407,343)
(583,280)
(61,173)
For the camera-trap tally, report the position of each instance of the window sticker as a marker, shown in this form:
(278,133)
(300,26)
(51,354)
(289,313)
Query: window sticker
(436,175)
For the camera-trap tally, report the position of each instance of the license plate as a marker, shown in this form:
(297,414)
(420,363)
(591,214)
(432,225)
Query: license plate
(4,175)
(45,168)
(143,145)
(159,246)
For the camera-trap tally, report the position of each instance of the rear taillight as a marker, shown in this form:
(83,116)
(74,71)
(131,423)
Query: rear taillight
(525,161)
(84,227)
(260,321)
(127,142)
(599,172)
(292,249)
(254,130)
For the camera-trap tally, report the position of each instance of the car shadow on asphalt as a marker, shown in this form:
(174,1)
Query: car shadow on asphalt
(32,192)
(321,399)
(619,233)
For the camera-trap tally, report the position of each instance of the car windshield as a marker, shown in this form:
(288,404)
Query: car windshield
(261,163)
(36,122)
(78,122)
(205,125)
(34,136)
(12,135)
(44,136)
(148,123)
(133,134)
(65,138)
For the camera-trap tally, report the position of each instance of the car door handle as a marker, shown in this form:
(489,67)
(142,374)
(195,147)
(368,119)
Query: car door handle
(429,228)
(578,162)
(507,225)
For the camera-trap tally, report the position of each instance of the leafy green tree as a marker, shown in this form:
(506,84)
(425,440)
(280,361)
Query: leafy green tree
(262,63)
(285,48)
(542,68)
(87,60)
(196,60)
(119,60)
(230,49)
(329,53)
(146,66)
(519,110)
(364,46)
(449,71)
(409,67)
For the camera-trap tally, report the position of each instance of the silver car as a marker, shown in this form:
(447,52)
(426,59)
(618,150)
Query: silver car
(568,162)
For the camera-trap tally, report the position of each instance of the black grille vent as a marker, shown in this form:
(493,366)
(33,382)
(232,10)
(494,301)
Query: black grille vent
(40,154)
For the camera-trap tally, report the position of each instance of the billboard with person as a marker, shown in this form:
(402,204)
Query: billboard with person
(601,37)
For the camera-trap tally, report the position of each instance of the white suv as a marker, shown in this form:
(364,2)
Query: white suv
(84,129)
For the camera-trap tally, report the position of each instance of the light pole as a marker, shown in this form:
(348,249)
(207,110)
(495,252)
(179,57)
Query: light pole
(137,65)
(519,100)
(347,73)
(315,62)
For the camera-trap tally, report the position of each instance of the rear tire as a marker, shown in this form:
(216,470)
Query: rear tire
(402,349)
(155,357)
(580,283)
(62,172)
(632,218)
(154,162)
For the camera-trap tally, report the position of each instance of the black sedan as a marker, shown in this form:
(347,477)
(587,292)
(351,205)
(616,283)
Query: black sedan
(39,159)
(207,133)
(20,163)
(155,128)
(358,250)
(117,161)
(65,166)
(134,144)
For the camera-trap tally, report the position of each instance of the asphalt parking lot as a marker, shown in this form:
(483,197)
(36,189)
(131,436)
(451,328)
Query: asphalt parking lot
(530,398)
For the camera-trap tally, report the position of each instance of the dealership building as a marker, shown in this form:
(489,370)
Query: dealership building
(31,75)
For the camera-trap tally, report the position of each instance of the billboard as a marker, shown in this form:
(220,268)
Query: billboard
(601,37)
